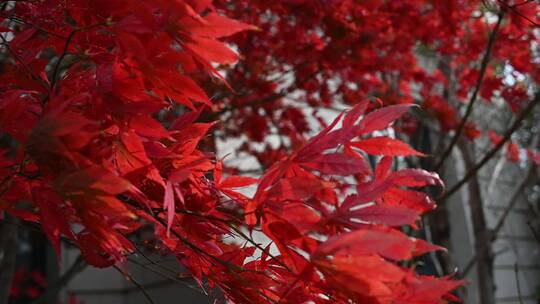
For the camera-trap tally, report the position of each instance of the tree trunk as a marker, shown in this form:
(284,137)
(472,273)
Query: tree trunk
(8,253)
(481,233)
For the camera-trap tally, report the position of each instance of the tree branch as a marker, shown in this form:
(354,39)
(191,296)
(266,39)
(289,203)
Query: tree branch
(59,62)
(137,284)
(17,19)
(25,66)
(167,276)
(474,96)
(518,285)
(259,102)
(534,233)
(517,12)
(509,206)
(492,152)
(480,231)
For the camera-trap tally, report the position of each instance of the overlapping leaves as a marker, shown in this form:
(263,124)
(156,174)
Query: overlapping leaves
(95,164)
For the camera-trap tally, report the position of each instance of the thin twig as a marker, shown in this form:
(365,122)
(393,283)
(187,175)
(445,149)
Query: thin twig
(25,66)
(517,12)
(152,262)
(492,152)
(56,69)
(518,285)
(167,276)
(232,268)
(291,286)
(267,251)
(17,19)
(137,284)
(474,96)
(238,231)
(534,233)
(523,3)
(259,102)
(124,290)
(188,243)
(194,247)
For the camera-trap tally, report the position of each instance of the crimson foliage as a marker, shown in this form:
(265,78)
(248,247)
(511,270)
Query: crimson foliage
(339,52)
(89,91)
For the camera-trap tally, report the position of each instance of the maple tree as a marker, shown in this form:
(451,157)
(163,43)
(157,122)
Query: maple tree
(107,108)
(458,60)
(346,51)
